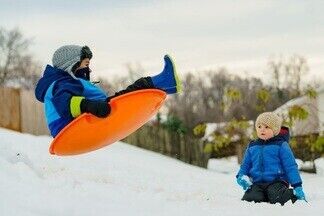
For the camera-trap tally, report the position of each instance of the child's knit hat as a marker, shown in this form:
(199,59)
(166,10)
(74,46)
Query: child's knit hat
(67,56)
(270,119)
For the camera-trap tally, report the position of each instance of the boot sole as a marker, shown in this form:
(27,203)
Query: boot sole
(176,77)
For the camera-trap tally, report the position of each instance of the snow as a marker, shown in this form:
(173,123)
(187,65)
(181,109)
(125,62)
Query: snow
(124,180)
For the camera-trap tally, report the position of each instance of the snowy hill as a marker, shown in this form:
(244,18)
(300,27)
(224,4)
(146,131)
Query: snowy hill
(125,180)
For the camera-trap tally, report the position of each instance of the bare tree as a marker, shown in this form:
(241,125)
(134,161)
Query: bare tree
(17,66)
(288,74)
(296,68)
(277,75)
(135,71)
(118,83)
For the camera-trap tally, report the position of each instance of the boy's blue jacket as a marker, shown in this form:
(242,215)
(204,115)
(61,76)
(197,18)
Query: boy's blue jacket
(271,160)
(55,89)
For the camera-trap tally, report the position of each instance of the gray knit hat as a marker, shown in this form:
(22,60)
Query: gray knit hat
(67,56)
(270,119)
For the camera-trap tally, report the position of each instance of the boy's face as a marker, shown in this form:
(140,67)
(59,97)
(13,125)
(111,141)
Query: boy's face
(264,132)
(83,71)
(84,63)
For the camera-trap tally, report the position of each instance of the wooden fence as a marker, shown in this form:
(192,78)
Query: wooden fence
(10,109)
(32,115)
(20,111)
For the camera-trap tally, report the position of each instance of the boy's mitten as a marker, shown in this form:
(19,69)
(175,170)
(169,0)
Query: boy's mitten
(299,193)
(244,181)
(98,108)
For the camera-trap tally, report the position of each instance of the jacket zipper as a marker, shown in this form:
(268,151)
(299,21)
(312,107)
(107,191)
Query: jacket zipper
(261,157)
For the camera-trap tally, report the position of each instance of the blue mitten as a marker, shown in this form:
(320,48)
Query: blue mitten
(244,181)
(299,193)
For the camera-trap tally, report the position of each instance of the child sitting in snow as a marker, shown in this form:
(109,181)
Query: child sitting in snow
(269,166)
(66,90)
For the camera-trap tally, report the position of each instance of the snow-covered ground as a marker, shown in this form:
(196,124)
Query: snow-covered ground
(124,180)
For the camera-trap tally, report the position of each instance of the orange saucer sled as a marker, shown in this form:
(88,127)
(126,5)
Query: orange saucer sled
(128,113)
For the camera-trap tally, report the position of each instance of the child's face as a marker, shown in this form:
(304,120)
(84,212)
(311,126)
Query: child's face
(84,63)
(264,132)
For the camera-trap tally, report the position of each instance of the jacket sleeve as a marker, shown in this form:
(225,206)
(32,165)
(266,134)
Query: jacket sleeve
(289,165)
(62,95)
(246,164)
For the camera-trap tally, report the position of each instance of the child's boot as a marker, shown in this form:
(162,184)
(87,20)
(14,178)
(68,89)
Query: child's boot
(168,79)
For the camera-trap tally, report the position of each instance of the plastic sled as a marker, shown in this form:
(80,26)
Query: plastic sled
(88,132)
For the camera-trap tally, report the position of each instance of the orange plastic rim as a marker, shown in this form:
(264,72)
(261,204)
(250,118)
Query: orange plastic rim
(88,132)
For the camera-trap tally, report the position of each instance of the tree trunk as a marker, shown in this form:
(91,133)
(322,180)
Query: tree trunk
(239,152)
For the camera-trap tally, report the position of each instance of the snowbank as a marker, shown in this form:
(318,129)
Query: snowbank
(125,180)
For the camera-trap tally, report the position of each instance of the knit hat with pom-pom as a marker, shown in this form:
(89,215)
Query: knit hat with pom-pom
(270,119)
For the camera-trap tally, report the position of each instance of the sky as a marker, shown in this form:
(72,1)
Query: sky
(207,34)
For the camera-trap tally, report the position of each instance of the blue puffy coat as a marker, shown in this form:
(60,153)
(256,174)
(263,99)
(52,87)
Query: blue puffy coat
(55,89)
(266,161)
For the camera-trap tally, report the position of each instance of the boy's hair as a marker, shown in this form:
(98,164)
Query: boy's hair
(270,119)
(67,56)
